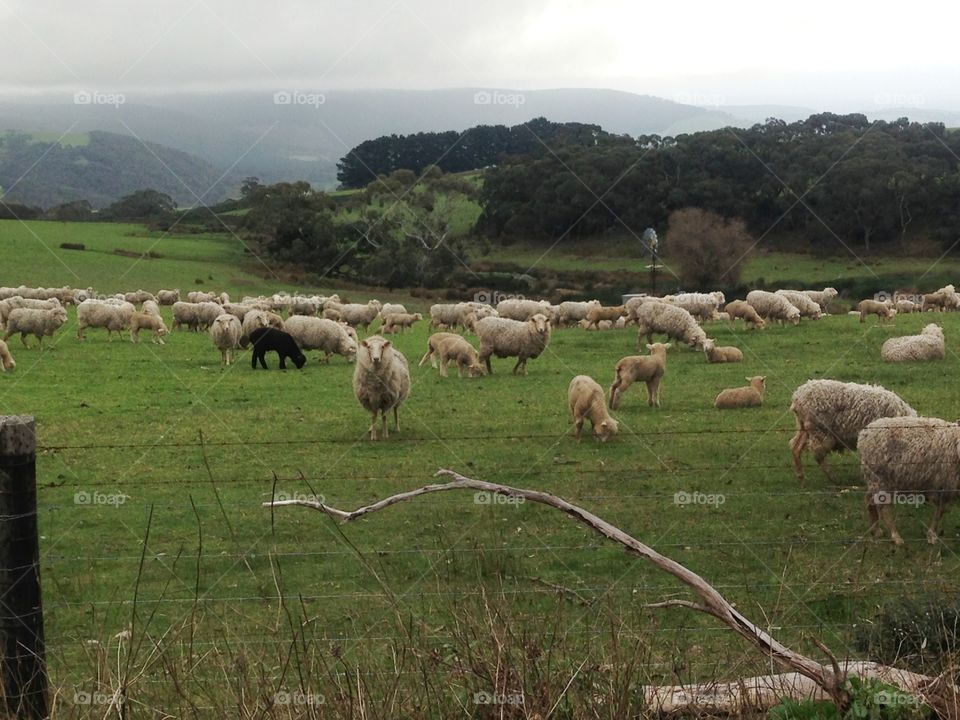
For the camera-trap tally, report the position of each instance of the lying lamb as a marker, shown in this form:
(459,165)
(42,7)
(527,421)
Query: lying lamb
(723,354)
(742,397)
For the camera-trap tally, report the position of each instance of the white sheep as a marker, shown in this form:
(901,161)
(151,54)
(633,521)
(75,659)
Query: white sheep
(599,313)
(946,298)
(807,307)
(139,297)
(649,369)
(904,459)
(830,414)
(394,322)
(449,347)
(198,296)
(207,312)
(168,297)
(512,338)
(585,400)
(703,306)
(258,319)
(823,298)
(147,321)
(571,312)
(359,315)
(114,317)
(150,307)
(381,381)
(11,303)
(328,336)
(928,345)
(674,322)
(883,310)
(7,363)
(742,397)
(520,309)
(724,354)
(391,309)
(186,314)
(771,306)
(225,332)
(444,315)
(36,322)
(431,353)
(744,310)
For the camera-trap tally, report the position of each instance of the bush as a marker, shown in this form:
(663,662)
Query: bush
(708,249)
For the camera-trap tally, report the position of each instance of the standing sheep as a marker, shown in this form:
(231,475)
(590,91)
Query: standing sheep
(520,309)
(114,317)
(381,381)
(649,369)
(742,397)
(225,333)
(255,319)
(457,348)
(703,306)
(883,310)
(571,312)
(599,313)
(32,321)
(356,314)
(585,399)
(830,414)
(7,363)
(771,306)
(744,310)
(512,338)
(431,354)
(728,354)
(147,321)
(672,321)
(928,345)
(394,322)
(823,298)
(902,459)
(168,297)
(328,336)
(806,306)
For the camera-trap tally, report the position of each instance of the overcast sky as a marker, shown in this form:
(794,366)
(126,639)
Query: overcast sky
(718,52)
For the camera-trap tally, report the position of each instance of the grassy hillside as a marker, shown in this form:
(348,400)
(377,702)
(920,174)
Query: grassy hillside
(415,608)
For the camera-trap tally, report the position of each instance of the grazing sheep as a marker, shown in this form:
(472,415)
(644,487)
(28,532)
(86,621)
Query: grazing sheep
(112,317)
(726,354)
(147,321)
(225,333)
(571,312)
(703,306)
(444,314)
(207,312)
(771,306)
(585,399)
(456,348)
(197,296)
(823,298)
(186,314)
(906,307)
(806,306)
(258,319)
(830,414)
(393,322)
(928,345)
(168,297)
(669,320)
(599,313)
(328,336)
(238,310)
(150,307)
(7,363)
(36,322)
(518,309)
(222,298)
(742,397)
(945,298)
(883,310)
(744,310)
(356,314)
(139,297)
(649,369)
(381,381)
(431,353)
(266,339)
(512,338)
(392,309)
(11,303)
(902,459)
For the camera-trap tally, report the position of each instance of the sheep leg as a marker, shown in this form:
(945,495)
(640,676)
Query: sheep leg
(486,360)
(653,392)
(373,426)
(578,425)
(443,366)
(396,418)
(460,369)
(427,354)
(821,458)
(614,393)
(873,517)
(23,339)
(383,419)
(886,515)
(935,523)
(797,444)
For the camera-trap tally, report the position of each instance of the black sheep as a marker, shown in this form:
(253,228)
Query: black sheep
(266,339)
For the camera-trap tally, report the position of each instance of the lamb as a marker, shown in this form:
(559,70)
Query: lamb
(646,368)
(571,312)
(945,298)
(265,339)
(928,345)
(726,354)
(633,305)
(36,322)
(883,310)
(258,319)
(453,347)
(392,322)
(599,312)
(830,414)
(585,398)
(669,320)
(823,298)
(328,336)
(222,298)
(7,363)
(381,381)
(905,458)
(225,333)
(512,338)
(905,307)
(138,297)
(771,306)
(702,306)
(744,310)
(742,397)
(356,314)
(111,316)
(806,306)
(147,321)
(431,354)
(168,297)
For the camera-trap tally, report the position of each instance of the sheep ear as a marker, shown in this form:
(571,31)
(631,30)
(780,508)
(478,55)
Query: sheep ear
(649,346)
(363,343)
(387,344)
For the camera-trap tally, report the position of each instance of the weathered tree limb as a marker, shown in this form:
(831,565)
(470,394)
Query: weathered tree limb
(808,677)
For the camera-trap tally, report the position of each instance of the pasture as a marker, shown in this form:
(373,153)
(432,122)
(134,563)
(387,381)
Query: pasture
(161,570)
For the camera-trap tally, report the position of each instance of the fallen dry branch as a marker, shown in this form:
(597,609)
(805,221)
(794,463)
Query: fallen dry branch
(807,678)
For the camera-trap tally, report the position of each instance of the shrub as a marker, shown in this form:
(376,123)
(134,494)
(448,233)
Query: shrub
(708,249)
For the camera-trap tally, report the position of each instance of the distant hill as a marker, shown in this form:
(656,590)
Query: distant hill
(44,170)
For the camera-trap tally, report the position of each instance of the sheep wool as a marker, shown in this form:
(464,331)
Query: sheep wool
(928,345)
(742,397)
(670,320)
(586,402)
(328,336)
(225,332)
(7,363)
(512,338)
(381,381)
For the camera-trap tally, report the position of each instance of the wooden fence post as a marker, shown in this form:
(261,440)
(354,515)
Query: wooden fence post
(22,658)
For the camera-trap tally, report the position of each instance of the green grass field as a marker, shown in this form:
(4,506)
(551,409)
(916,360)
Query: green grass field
(409,608)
